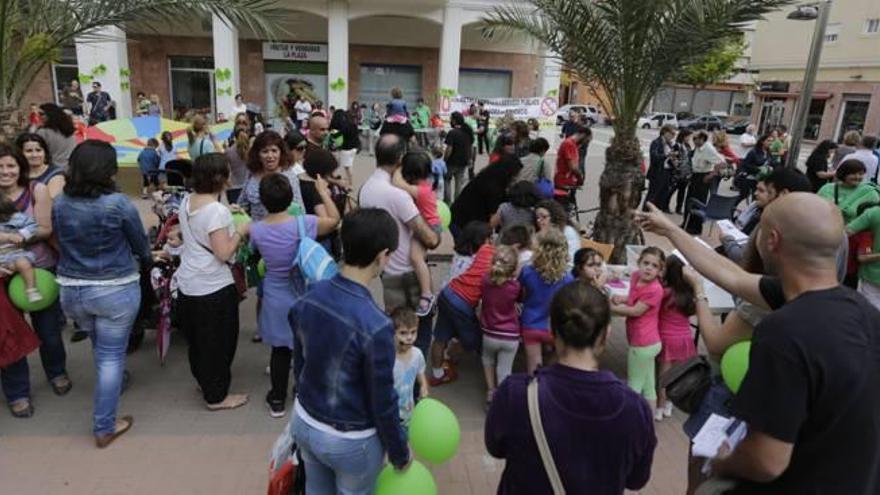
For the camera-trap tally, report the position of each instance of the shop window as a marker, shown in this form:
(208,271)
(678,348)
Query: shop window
(853,115)
(192,86)
(814,119)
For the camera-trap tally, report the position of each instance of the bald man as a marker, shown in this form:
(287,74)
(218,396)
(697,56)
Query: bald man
(810,397)
(319,127)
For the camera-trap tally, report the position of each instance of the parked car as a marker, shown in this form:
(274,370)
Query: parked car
(655,120)
(707,122)
(684,115)
(590,111)
(737,126)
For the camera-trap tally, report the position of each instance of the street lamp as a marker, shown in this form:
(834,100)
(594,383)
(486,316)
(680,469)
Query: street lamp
(818,12)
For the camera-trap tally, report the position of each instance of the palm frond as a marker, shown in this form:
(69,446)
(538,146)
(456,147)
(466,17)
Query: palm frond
(629,47)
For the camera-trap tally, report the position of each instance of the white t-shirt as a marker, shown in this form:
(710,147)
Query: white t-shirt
(200,272)
(237,109)
(303,109)
(574,243)
(378,192)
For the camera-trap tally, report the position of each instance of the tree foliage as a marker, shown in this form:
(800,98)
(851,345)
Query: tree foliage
(716,66)
(32,32)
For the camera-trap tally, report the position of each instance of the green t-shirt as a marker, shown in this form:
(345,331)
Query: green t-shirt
(423,117)
(869,220)
(848,199)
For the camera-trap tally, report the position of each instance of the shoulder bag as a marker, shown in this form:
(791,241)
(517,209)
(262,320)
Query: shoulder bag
(544,185)
(541,438)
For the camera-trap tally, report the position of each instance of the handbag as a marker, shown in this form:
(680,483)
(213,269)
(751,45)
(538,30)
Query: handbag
(544,185)
(686,384)
(541,438)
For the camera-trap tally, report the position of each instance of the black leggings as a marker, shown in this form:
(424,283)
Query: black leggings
(279,372)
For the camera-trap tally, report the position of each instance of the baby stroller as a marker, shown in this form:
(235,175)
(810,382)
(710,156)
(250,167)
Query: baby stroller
(157,287)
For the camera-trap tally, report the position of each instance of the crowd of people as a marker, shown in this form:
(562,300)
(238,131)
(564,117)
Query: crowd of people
(520,276)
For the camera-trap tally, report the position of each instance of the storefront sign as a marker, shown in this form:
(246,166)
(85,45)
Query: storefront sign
(298,52)
(519,108)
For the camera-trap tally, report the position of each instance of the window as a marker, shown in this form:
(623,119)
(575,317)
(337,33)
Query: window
(832,33)
(872,26)
(192,85)
(64,71)
(480,83)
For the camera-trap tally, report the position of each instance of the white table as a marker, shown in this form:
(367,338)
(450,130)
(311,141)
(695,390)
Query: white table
(720,301)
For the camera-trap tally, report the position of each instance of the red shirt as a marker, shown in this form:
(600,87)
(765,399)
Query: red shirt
(567,164)
(859,243)
(469,285)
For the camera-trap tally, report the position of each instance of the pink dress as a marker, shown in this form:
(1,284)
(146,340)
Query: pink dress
(642,331)
(675,331)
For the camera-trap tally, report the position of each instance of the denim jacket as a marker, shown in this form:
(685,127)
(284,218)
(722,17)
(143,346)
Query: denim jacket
(99,237)
(344,362)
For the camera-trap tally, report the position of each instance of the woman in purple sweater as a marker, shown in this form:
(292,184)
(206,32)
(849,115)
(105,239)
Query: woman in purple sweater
(600,433)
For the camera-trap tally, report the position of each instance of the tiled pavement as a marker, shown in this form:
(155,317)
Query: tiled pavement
(178,447)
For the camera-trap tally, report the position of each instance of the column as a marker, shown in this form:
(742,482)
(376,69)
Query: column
(550,75)
(105,60)
(226,66)
(337,54)
(450,49)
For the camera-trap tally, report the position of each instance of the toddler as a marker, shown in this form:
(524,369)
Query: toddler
(540,281)
(438,169)
(412,177)
(499,318)
(395,109)
(18,228)
(642,311)
(409,363)
(589,266)
(675,327)
(148,161)
(519,237)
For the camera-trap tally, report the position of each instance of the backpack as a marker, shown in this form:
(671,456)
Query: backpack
(312,262)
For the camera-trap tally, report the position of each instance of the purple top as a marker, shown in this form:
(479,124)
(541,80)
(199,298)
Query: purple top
(278,243)
(600,432)
(498,316)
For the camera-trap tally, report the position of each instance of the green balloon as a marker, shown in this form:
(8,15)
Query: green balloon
(295,210)
(734,365)
(416,480)
(240,218)
(46,284)
(434,432)
(261,268)
(444,213)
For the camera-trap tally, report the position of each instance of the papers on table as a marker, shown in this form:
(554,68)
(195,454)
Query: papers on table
(729,229)
(716,431)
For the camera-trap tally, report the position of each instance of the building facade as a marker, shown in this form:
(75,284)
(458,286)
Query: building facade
(846,95)
(337,51)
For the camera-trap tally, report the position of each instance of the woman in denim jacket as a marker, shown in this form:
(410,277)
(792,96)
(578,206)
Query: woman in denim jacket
(101,239)
(32,198)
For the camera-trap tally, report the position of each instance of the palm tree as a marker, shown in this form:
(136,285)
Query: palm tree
(629,48)
(32,33)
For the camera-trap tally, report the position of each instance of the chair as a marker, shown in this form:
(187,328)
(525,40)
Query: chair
(717,208)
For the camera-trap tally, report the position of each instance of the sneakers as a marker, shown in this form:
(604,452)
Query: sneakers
(276,407)
(658,415)
(426,304)
(667,409)
(449,376)
(33,295)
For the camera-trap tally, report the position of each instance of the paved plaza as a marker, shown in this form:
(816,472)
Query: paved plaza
(176,446)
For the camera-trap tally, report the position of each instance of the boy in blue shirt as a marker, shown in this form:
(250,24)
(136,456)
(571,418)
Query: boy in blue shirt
(438,169)
(148,161)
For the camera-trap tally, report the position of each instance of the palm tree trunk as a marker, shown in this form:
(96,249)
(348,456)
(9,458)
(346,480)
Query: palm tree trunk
(620,193)
(10,123)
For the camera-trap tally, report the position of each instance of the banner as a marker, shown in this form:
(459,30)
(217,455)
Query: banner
(541,108)
(299,52)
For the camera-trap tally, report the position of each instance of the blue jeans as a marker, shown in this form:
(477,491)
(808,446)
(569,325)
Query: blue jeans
(16,377)
(107,314)
(338,466)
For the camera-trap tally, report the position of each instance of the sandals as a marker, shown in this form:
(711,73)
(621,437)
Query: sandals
(61,385)
(231,401)
(21,408)
(123,424)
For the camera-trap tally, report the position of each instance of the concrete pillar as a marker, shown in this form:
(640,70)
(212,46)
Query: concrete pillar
(450,48)
(106,60)
(337,54)
(550,75)
(226,66)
